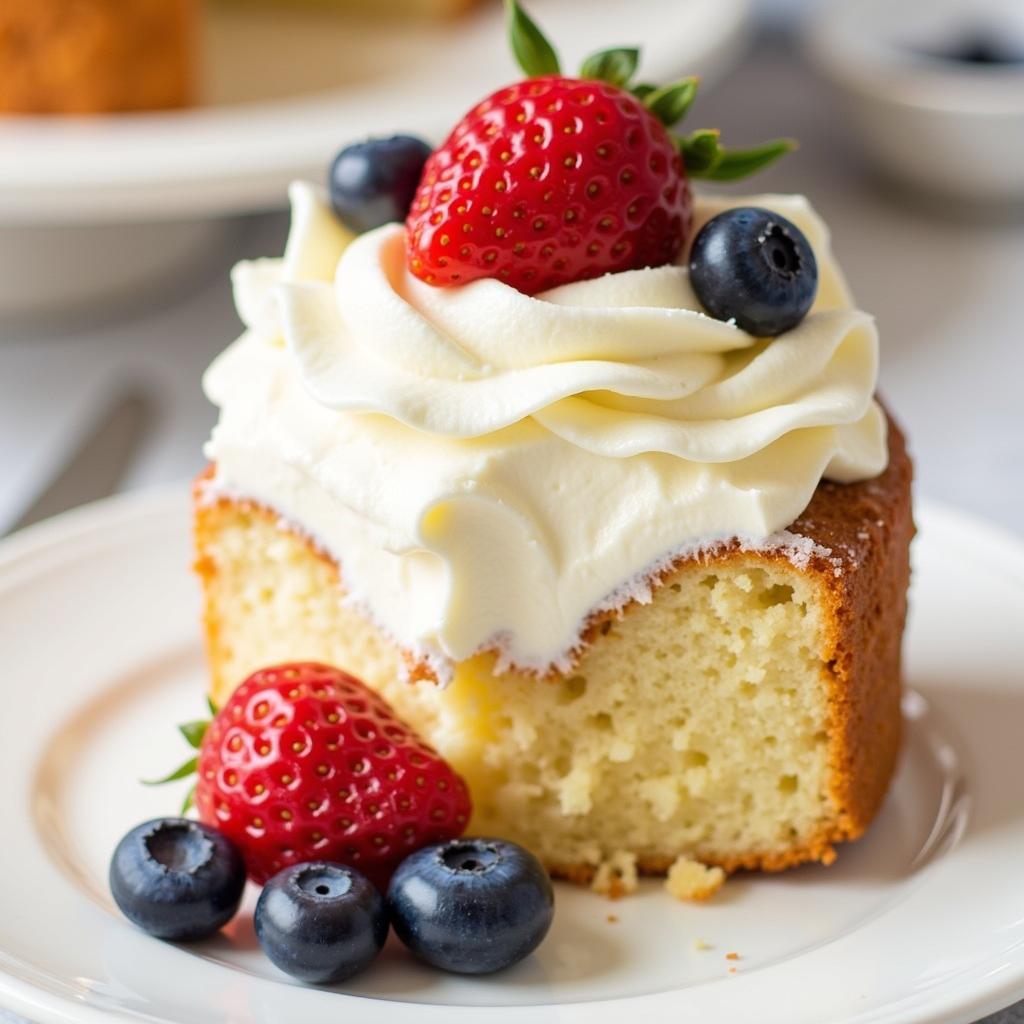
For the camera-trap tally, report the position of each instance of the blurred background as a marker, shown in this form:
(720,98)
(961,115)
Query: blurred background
(145,146)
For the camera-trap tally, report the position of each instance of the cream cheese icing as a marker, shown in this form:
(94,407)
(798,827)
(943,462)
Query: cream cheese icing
(487,467)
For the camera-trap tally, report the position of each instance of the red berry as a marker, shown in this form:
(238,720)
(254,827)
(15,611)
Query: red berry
(305,762)
(548,181)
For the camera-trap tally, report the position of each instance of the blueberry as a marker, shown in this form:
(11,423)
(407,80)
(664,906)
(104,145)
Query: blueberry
(754,267)
(177,879)
(373,183)
(471,905)
(321,922)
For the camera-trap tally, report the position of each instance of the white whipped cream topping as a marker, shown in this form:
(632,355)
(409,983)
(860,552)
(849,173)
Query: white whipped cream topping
(489,468)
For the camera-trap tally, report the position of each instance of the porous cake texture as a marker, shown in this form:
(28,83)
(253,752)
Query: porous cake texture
(690,880)
(747,716)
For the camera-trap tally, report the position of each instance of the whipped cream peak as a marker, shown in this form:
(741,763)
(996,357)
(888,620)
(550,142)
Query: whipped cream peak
(490,467)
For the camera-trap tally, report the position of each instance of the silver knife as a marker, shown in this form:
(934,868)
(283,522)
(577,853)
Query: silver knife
(96,467)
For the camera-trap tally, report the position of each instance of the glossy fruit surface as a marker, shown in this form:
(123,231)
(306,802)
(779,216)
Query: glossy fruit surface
(472,906)
(752,266)
(321,922)
(557,179)
(177,879)
(372,183)
(305,762)
(548,181)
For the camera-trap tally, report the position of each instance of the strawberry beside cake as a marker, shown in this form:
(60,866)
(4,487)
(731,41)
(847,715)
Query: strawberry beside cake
(583,471)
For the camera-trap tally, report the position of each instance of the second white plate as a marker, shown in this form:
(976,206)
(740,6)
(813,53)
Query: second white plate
(287,86)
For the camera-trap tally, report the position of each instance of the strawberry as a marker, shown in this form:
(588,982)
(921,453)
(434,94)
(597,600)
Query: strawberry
(549,180)
(305,762)
(557,179)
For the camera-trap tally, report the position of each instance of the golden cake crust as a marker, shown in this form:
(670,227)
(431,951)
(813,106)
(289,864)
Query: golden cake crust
(861,537)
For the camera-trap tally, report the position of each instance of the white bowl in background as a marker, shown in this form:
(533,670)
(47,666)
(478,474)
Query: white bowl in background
(949,126)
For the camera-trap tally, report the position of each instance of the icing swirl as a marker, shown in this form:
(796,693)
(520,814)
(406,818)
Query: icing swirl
(526,460)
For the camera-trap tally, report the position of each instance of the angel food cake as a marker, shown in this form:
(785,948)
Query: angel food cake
(636,568)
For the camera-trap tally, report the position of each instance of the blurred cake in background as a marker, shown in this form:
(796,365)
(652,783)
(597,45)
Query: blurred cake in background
(107,56)
(97,56)
(422,8)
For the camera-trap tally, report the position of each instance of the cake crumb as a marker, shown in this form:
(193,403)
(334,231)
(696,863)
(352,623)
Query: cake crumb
(613,919)
(690,880)
(700,945)
(732,956)
(732,970)
(617,876)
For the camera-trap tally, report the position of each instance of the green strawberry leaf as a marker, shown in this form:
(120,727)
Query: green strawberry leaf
(194,731)
(738,163)
(700,151)
(616,66)
(535,54)
(188,768)
(189,801)
(670,103)
(211,706)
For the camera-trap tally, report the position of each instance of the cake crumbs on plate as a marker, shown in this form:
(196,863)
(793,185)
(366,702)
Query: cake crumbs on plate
(613,919)
(617,876)
(732,956)
(690,880)
(700,945)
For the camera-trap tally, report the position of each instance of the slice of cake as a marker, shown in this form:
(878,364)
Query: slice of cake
(747,716)
(740,706)
(637,571)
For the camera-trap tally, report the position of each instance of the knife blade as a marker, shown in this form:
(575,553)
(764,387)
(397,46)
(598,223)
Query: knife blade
(99,461)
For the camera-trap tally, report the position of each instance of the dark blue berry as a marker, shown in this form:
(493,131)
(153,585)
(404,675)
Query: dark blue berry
(373,183)
(471,905)
(321,922)
(177,879)
(752,266)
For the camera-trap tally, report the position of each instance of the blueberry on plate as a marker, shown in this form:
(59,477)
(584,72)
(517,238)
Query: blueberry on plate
(177,879)
(471,906)
(756,268)
(373,183)
(320,921)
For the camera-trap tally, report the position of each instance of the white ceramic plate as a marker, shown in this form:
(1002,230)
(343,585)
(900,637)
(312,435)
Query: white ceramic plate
(921,921)
(286,87)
